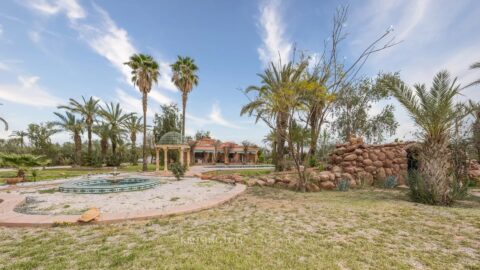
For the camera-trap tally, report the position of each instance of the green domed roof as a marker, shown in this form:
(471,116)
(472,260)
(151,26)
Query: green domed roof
(172,137)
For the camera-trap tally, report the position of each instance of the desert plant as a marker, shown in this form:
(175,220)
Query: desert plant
(343,185)
(390,182)
(34,174)
(22,162)
(436,114)
(178,170)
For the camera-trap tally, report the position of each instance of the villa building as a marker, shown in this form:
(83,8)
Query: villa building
(211,151)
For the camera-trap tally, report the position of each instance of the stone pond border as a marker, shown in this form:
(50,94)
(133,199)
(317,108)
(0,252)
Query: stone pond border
(10,218)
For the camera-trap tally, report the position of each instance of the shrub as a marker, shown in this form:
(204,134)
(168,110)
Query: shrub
(178,170)
(113,161)
(423,192)
(390,182)
(343,185)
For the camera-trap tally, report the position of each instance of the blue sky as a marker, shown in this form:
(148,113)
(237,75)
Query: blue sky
(51,50)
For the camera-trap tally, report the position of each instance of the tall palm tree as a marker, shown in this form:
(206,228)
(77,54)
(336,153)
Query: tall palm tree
(474,66)
(115,118)
(435,113)
(185,78)
(20,135)
(267,104)
(133,125)
(88,109)
(246,146)
(103,131)
(145,72)
(5,123)
(70,123)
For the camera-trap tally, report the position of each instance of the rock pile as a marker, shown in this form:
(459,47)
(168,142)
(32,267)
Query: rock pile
(474,170)
(363,164)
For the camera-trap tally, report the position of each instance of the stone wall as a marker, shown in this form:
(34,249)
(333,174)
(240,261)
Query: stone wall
(359,162)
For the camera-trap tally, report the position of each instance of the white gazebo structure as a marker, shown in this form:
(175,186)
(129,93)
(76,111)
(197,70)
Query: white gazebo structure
(172,141)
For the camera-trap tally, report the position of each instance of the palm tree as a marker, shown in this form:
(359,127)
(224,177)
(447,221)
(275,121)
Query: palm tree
(22,161)
(5,123)
(133,125)
(216,145)
(103,131)
(246,145)
(474,66)
(115,118)
(70,123)
(185,78)
(20,135)
(88,110)
(435,113)
(144,74)
(267,105)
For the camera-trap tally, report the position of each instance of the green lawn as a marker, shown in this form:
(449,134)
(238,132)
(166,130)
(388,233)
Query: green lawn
(51,174)
(248,173)
(266,228)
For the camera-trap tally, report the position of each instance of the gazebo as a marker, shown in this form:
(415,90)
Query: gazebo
(172,140)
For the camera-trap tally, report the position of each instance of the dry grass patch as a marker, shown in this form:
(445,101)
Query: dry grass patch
(266,228)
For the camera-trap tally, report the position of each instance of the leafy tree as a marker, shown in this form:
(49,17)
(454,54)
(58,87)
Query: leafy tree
(145,72)
(435,113)
(168,121)
(88,109)
(22,162)
(70,123)
(115,118)
(352,106)
(200,134)
(133,125)
(39,136)
(185,78)
(20,135)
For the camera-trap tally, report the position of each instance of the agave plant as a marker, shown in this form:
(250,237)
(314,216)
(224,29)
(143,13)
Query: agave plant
(22,162)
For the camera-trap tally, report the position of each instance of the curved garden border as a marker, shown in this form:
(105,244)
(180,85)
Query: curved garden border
(10,218)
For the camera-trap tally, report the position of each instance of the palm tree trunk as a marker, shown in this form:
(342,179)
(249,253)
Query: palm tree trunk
(133,137)
(104,146)
(89,134)
(281,138)
(78,149)
(184,108)
(434,166)
(144,159)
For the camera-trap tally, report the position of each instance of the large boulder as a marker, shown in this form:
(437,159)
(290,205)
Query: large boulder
(312,187)
(327,185)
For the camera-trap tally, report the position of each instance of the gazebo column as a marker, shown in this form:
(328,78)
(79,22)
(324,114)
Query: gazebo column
(157,159)
(255,157)
(181,154)
(165,159)
(188,158)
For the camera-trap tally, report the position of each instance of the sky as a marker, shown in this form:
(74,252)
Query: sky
(53,50)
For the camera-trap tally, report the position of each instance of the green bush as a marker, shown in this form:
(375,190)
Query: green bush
(390,182)
(343,185)
(113,161)
(178,170)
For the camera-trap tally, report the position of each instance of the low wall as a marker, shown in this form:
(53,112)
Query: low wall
(359,162)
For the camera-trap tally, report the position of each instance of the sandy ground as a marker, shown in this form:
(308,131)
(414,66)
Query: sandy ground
(168,194)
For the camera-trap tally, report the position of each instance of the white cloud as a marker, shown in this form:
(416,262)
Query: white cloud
(275,46)
(108,40)
(4,67)
(27,91)
(131,104)
(1,29)
(72,9)
(214,118)
(35,36)
(159,97)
